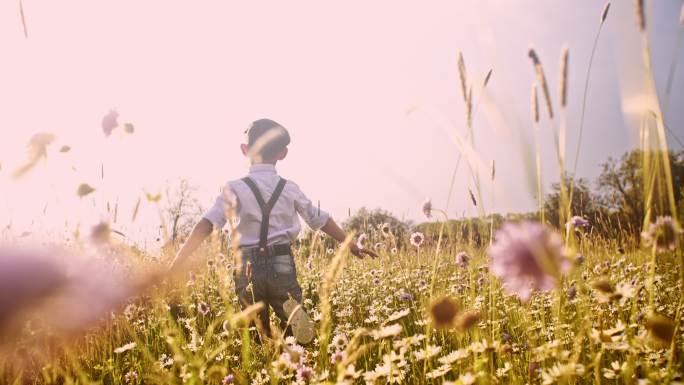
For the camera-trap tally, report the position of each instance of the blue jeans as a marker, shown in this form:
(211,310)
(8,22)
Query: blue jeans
(274,280)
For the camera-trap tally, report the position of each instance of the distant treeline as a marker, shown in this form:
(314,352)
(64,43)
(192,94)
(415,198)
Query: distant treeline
(615,204)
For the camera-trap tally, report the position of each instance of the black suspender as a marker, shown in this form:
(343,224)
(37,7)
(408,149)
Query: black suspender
(265,208)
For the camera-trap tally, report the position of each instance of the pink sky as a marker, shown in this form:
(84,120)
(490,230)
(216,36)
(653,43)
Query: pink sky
(341,78)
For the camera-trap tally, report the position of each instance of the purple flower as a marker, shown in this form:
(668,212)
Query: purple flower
(229,379)
(376,281)
(305,373)
(110,122)
(663,233)
(417,239)
(337,357)
(203,308)
(572,291)
(131,377)
(527,256)
(579,259)
(462,259)
(577,222)
(405,296)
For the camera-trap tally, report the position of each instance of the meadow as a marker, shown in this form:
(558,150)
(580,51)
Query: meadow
(414,315)
(533,300)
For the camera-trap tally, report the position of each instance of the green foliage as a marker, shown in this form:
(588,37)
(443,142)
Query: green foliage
(369,222)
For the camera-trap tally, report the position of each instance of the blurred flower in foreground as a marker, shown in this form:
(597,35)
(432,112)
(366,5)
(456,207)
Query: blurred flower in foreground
(663,233)
(100,233)
(40,284)
(417,239)
(526,257)
(444,311)
(84,189)
(427,208)
(661,328)
(36,149)
(110,122)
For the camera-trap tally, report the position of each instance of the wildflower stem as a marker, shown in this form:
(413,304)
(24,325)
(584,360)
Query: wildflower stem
(651,286)
(540,195)
(673,344)
(584,107)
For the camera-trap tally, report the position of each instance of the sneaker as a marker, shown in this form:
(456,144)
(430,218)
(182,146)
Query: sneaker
(299,321)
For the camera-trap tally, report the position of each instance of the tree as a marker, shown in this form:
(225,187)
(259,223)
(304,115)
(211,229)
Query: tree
(584,201)
(621,184)
(182,209)
(370,222)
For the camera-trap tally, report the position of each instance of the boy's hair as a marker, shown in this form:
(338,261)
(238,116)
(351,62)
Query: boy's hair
(267,138)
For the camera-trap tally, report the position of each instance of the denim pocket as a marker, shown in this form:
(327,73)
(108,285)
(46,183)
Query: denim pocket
(283,264)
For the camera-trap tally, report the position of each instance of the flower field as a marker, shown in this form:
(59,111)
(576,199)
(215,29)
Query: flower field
(584,288)
(414,316)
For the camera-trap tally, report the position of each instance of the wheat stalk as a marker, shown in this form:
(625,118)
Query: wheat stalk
(534,104)
(463,77)
(673,67)
(640,15)
(489,74)
(565,206)
(542,80)
(604,16)
(563,86)
(23,18)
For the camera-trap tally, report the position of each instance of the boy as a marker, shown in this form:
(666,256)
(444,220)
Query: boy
(266,206)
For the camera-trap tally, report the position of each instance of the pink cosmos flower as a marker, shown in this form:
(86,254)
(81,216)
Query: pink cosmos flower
(527,256)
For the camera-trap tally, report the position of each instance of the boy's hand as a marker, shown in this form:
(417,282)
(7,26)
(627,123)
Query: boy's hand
(331,228)
(360,252)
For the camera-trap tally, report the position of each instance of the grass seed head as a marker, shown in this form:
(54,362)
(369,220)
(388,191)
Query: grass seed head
(563,86)
(444,312)
(603,285)
(604,14)
(463,77)
(661,328)
(640,14)
(541,78)
(468,320)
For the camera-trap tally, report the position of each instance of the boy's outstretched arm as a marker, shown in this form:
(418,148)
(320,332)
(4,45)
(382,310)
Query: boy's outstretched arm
(331,228)
(201,231)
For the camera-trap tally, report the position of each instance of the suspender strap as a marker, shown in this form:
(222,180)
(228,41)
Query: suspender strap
(265,207)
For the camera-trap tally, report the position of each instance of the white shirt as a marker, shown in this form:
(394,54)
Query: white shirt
(283,226)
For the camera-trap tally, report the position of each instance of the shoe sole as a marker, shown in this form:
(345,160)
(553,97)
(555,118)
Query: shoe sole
(299,321)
